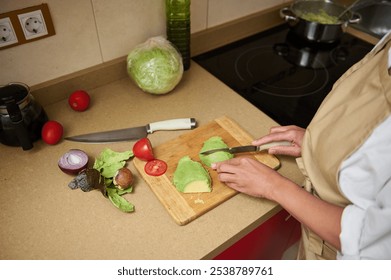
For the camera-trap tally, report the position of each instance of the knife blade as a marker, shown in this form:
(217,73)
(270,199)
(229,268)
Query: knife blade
(249,148)
(134,133)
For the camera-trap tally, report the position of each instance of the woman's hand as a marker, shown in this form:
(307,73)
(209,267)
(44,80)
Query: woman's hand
(248,176)
(251,177)
(291,133)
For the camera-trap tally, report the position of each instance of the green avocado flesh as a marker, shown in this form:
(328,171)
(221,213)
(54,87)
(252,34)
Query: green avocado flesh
(215,142)
(191,177)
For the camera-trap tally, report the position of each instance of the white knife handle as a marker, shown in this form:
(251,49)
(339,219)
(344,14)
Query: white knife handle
(174,124)
(273,144)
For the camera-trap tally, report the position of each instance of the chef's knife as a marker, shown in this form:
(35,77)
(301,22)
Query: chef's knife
(250,148)
(134,133)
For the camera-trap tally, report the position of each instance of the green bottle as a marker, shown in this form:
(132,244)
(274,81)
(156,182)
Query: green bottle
(178,27)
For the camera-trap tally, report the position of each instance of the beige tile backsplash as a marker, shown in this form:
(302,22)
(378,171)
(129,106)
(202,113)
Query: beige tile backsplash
(221,11)
(90,32)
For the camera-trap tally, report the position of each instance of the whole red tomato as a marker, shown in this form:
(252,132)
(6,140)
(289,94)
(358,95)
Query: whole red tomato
(79,100)
(52,132)
(142,149)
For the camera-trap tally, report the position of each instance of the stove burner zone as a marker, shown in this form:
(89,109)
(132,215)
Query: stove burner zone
(255,67)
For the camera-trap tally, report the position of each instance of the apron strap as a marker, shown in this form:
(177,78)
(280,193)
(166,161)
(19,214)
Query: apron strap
(381,44)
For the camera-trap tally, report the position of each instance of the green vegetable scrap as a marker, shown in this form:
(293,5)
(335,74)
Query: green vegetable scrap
(118,201)
(215,142)
(108,163)
(191,177)
(322,17)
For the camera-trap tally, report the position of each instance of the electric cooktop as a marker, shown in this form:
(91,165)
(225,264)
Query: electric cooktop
(282,75)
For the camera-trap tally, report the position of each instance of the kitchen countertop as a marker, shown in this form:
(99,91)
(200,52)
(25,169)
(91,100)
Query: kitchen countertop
(41,218)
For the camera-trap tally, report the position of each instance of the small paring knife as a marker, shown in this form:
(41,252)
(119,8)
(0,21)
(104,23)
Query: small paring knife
(134,133)
(250,148)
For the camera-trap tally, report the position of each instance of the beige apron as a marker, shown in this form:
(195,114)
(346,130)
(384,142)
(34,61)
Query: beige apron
(359,101)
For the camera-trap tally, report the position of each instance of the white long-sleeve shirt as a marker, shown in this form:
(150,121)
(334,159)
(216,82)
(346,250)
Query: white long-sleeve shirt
(365,179)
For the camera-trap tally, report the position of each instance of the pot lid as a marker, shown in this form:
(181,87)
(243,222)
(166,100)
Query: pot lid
(14,92)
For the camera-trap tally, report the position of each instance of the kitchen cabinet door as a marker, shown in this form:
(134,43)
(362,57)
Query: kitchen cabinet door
(269,241)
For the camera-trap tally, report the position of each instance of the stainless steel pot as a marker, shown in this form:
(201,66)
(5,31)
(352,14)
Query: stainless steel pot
(315,31)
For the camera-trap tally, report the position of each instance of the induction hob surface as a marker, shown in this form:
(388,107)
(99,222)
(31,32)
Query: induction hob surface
(280,74)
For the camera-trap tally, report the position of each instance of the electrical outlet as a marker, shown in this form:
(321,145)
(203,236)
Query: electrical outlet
(25,25)
(7,33)
(33,24)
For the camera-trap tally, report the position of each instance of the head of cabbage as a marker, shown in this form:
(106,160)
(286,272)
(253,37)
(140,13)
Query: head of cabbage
(155,66)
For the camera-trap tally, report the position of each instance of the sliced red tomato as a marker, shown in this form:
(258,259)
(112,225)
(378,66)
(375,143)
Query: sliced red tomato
(155,167)
(142,149)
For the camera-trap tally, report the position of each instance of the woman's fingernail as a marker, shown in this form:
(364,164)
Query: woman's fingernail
(213,165)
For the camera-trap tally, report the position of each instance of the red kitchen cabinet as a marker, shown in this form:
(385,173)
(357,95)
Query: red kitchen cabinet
(267,242)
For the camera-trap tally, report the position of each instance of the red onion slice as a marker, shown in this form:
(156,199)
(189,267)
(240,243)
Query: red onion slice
(73,161)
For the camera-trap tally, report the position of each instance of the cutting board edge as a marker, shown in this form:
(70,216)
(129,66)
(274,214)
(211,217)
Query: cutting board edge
(184,214)
(190,215)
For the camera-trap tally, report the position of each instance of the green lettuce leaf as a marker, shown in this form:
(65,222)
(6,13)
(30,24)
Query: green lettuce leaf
(118,201)
(110,161)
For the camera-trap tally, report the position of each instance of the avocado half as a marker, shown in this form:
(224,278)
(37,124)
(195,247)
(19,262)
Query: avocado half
(215,142)
(191,177)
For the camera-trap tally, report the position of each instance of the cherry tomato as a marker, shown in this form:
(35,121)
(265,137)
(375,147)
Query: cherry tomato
(52,132)
(142,149)
(155,167)
(79,100)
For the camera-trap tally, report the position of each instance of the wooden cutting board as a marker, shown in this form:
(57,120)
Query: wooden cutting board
(186,207)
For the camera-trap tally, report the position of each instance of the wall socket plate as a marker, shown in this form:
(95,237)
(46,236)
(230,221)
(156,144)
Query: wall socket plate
(7,33)
(25,25)
(33,24)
